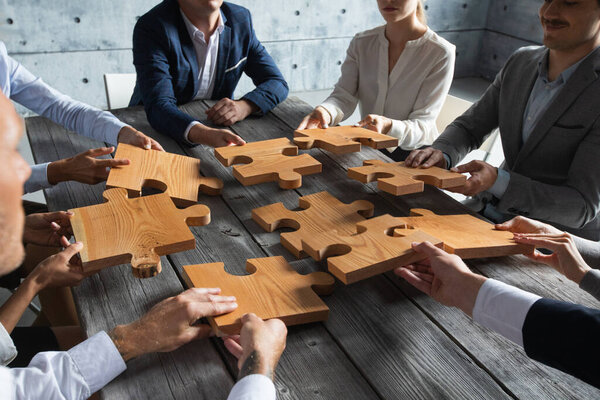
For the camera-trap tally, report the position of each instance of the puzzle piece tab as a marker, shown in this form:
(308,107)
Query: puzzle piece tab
(268,161)
(178,176)
(321,212)
(342,139)
(372,250)
(397,179)
(137,230)
(272,290)
(465,235)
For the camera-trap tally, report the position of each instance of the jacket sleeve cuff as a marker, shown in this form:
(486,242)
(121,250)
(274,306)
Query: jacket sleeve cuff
(337,115)
(253,387)
(591,283)
(38,179)
(501,184)
(112,134)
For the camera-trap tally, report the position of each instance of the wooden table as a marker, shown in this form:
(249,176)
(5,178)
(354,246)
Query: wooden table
(383,339)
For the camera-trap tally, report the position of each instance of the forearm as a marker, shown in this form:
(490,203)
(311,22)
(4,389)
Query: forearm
(413,133)
(12,310)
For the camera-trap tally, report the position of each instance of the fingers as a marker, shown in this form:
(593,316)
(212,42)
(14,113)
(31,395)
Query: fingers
(154,145)
(211,112)
(233,139)
(226,118)
(510,225)
(425,158)
(428,249)
(115,162)
(416,281)
(233,347)
(100,151)
(547,243)
(71,249)
(216,306)
(304,123)
(200,294)
(471,166)
(540,257)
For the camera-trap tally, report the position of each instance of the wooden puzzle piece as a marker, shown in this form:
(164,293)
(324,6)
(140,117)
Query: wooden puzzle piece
(178,176)
(465,235)
(342,139)
(397,179)
(376,247)
(272,290)
(137,230)
(268,161)
(321,212)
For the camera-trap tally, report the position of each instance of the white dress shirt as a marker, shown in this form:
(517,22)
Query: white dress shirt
(87,368)
(411,95)
(20,85)
(8,351)
(206,55)
(503,308)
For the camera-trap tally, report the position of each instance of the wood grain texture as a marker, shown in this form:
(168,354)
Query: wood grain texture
(369,252)
(342,139)
(320,212)
(138,230)
(268,161)
(397,179)
(465,235)
(176,175)
(273,289)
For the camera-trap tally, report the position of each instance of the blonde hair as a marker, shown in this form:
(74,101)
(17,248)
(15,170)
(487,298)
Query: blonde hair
(421,12)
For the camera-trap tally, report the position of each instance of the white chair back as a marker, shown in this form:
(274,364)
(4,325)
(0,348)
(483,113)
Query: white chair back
(119,88)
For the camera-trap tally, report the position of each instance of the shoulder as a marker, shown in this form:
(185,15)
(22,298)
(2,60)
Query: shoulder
(528,53)
(439,43)
(369,34)
(235,13)
(163,13)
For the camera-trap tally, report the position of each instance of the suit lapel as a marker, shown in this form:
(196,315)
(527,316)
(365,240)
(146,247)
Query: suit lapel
(581,79)
(189,52)
(222,58)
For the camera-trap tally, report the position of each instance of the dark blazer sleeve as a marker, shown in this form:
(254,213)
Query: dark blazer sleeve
(155,82)
(271,87)
(564,336)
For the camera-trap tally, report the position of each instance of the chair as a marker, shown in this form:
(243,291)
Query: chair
(119,88)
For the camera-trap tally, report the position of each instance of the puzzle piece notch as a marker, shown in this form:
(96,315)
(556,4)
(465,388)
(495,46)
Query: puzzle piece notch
(230,155)
(396,179)
(176,175)
(375,248)
(273,289)
(137,230)
(320,212)
(342,139)
(465,235)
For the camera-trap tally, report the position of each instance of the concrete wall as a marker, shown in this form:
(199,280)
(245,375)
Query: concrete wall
(71,44)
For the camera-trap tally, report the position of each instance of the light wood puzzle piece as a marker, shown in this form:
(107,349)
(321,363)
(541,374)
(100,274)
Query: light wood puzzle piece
(376,247)
(137,230)
(342,139)
(397,179)
(178,176)
(465,235)
(321,212)
(272,290)
(268,161)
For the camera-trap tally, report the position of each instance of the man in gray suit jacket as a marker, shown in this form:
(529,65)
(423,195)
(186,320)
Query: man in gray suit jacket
(546,103)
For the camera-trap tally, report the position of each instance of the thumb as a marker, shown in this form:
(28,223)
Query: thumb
(505,226)
(201,331)
(427,249)
(146,142)
(468,167)
(72,249)
(234,139)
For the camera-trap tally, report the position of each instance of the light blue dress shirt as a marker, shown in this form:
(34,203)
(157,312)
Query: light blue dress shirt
(21,86)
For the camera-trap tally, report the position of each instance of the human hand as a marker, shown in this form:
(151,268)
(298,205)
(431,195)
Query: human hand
(483,176)
(259,345)
(203,134)
(526,225)
(46,229)
(565,257)
(426,158)
(132,136)
(171,323)
(318,118)
(227,112)
(62,269)
(377,123)
(443,276)
(84,167)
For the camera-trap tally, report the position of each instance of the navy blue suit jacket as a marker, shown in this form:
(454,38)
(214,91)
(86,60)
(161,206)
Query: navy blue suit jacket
(564,336)
(167,68)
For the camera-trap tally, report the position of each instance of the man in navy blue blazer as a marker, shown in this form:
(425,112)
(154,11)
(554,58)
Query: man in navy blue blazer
(186,50)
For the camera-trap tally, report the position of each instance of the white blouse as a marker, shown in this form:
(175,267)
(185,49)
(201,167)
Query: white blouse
(411,95)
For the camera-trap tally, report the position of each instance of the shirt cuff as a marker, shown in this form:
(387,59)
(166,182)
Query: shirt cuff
(112,134)
(8,351)
(253,387)
(503,308)
(38,179)
(187,132)
(334,111)
(98,361)
(590,283)
(501,184)
(447,158)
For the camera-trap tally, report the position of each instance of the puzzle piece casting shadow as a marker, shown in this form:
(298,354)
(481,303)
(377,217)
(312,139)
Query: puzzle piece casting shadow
(342,139)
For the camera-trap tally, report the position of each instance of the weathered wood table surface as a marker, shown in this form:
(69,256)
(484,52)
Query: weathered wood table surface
(383,338)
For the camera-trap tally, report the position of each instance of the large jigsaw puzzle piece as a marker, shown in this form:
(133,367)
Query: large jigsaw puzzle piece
(465,235)
(397,179)
(376,247)
(268,161)
(178,176)
(342,139)
(272,290)
(137,230)
(321,212)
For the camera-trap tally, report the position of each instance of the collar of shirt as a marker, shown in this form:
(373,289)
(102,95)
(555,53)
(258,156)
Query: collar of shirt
(197,34)
(564,76)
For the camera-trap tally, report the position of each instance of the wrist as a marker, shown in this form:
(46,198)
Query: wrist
(34,282)
(197,133)
(123,337)
(56,172)
(580,272)
(257,363)
(248,107)
(467,293)
(387,127)
(124,132)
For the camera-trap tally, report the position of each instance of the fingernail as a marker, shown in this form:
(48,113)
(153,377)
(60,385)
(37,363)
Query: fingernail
(233,305)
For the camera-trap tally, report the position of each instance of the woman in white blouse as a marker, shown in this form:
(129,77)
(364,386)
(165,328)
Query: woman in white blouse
(399,74)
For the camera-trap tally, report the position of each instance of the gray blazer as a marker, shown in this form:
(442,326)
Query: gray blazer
(555,174)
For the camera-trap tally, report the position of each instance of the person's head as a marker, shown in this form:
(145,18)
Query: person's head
(13,175)
(200,7)
(570,24)
(399,10)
